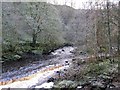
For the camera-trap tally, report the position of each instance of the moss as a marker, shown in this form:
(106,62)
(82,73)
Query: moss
(10,57)
(37,52)
(66,84)
(90,51)
(95,69)
(103,49)
(9,50)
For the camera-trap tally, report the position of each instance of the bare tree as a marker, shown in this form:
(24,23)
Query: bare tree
(32,16)
(65,2)
(55,2)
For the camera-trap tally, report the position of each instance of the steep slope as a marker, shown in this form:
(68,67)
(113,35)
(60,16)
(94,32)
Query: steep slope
(15,23)
(74,23)
(60,21)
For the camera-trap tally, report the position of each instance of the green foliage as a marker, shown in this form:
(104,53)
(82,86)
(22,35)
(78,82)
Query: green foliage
(90,51)
(98,68)
(8,48)
(10,57)
(103,49)
(26,48)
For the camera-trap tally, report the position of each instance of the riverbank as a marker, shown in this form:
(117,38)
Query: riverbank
(29,57)
(86,75)
(26,51)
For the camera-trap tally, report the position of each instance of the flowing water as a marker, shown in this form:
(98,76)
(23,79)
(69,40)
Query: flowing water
(16,70)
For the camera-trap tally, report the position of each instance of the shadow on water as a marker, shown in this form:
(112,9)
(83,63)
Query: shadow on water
(26,60)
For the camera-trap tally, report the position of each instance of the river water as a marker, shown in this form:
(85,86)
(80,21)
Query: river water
(24,68)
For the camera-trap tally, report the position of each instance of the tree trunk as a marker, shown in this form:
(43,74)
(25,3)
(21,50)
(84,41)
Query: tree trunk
(119,29)
(95,32)
(34,40)
(109,32)
(118,38)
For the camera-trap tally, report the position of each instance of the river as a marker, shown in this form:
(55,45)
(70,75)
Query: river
(38,71)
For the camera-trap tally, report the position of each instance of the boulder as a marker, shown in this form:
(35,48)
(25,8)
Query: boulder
(66,84)
(98,84)
(17,56)
(50,80)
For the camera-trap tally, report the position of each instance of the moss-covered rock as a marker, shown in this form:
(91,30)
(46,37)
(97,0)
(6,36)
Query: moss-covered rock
(37,52)
(10,57)
(66,84)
